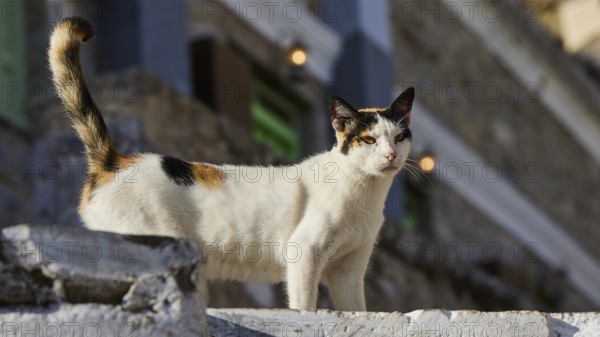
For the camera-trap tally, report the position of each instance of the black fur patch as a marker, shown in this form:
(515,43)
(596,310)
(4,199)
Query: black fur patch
(392,116)
(366,120)
(92,181)
(87,104)
(80,25)
(110,162)
(178,171)
(363,122)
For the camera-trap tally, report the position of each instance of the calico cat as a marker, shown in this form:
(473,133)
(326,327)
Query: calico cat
(271,228)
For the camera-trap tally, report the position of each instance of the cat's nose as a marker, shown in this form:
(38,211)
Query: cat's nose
(391,156)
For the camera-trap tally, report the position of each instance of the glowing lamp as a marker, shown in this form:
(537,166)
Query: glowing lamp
(427,164)
(298,56)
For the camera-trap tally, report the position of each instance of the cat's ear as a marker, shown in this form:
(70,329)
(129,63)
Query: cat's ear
(403,104)
(341,113)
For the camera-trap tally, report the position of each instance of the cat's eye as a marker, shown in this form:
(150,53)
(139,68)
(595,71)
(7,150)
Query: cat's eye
(368,139)
(399,138)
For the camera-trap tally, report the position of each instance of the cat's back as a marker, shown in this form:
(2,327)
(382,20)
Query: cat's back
(137,196)
(161,195)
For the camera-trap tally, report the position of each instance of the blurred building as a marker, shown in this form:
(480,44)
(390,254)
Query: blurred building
(504,216)
(575,24)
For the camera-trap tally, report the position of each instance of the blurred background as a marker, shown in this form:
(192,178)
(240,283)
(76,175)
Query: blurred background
(501,207)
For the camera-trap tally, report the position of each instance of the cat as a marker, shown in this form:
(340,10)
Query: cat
(285,224)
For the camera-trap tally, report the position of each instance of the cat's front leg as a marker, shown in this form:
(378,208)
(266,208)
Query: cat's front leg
(344,277)
(303,275)
(304,263)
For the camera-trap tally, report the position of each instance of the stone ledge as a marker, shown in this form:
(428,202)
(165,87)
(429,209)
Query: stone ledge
(282,322)
(99,320)
(59,281)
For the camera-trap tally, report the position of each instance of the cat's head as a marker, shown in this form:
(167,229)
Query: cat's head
(376,141)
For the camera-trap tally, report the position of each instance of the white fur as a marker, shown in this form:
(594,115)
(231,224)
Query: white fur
(263,224)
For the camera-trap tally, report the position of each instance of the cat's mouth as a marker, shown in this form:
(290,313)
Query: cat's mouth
(390,168)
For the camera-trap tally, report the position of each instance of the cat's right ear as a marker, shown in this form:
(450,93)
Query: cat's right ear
(341,113)
(403,105)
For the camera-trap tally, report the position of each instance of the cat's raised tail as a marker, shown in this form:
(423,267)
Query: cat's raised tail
(73,92)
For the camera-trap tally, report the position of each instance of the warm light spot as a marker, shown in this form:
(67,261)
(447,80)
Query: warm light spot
(298,56)
(427,164)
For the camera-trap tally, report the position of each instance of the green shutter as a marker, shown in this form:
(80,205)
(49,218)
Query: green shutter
(276,120)
(12,63)
(272,131)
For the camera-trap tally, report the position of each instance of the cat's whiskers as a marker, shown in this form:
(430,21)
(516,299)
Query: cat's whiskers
(362,183)
(370,185)
(358,184)
(412,167)
(362,190)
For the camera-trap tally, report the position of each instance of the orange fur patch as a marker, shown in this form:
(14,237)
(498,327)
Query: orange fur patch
(342,137)
(371,110)
(98,176)
(208,175)
(353,144)
(86,196)
(364,133)
(123,163)
(355,140)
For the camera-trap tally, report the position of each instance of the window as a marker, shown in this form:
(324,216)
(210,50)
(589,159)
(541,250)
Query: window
(276,119)
(229,82)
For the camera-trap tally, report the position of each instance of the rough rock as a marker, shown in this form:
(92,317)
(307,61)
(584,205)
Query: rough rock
(59,281)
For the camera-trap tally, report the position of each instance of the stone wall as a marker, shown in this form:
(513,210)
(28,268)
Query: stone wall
(502,120)
(468,239)
(169,122)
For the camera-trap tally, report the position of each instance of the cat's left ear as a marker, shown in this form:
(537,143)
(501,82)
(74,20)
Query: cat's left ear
(342,113)
(403,104)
